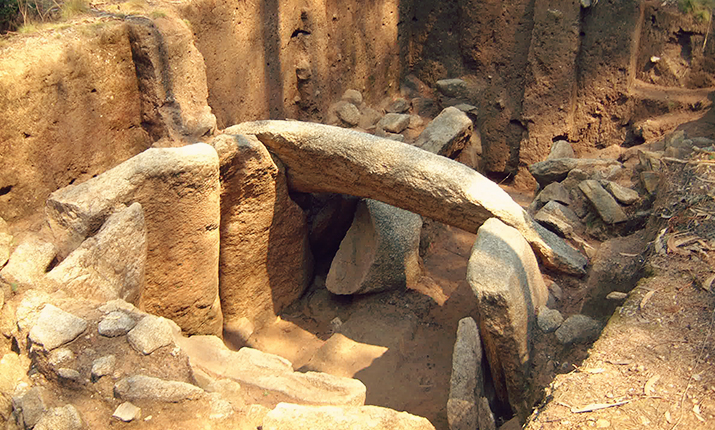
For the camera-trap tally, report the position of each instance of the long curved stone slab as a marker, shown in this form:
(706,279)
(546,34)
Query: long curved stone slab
(322,158)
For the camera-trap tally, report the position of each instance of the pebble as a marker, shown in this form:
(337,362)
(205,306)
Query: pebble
(60,356)
(549,320)
(150,334)
(56,327)
(103,366)
(68,374)
(116,323)
(616,295)
(127,412)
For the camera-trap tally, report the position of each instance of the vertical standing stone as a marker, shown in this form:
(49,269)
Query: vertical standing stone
(265,259)
(178,188)
(505,277)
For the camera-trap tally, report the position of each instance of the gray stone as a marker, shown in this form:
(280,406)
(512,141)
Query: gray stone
(321,158)
(608,209)
(269,372)
(466,382)
(5,243)
(369,117)
(558,218)
(485,416)
(454,88)
(624,195)
(288,416)
(617,296)
(64,418)
(399,105)
(348,113)
(27,264)
(391,136)
(554,192)
(116,323)
(447,134)
(31,406)
(352,96)
(650,181)
(467,108)
(69,374)
(141,387)
(702,142)
(127,412)
(556,290)
(549,320)
(150,334)
(379,252)
(109,265)
(561,149)
(103,366)
(424,106)
(505,278)
(394,122)
(56,327)
(557,169)
(179,191)
(577,329)
(60,356)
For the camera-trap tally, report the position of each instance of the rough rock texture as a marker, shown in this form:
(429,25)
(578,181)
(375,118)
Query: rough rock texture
(111,264)
(549,320)
(269,372)
(561,149)
(64,418)
(379,252)
(466,382)
(578,328)
(557,169)
(554,191)
(150,334)
(505,277)
(103,366)
(56,327)
(447,134)
(126,412)
(288,416)
(116,323)
(321,158)
(178,188)
(27,264)
(265,262)
(5,243)
(624,195)
(140,387)
(607,207)
(394,122)
(558,218)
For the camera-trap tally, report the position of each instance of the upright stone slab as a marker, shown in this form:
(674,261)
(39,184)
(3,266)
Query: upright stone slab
(265,262)
(466,382)
(379,252)
(178,188)
(505,277)
(111,264)
(447,134)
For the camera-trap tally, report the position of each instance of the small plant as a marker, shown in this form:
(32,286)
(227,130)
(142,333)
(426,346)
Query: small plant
(701,9)
(71,8)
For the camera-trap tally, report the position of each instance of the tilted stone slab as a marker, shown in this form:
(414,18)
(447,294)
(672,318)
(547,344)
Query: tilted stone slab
(56,327)
(269,372)
(265,262)
(321,158)
(109,265)
(140,387)
(607,207)
(447,134)
(379,252)
(556,169)
(178,188)
(466,382)
(505,278)
(287,416)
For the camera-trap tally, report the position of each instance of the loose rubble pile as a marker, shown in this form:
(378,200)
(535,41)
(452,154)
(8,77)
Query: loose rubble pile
(207,242)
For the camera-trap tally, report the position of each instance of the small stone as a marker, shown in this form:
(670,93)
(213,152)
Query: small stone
(616,295)
(394,122)
(556,291)
(549,320)
(60,356)
(348,113)
(335,324)
(220,408)
(65,418)
(68,374)
(578,328)
(400,105)
(557,218)
(454,88)
(116,323)
(624,195)
(103,366)
(650,181)
(148,388)
(606,206)
(561,149)
(27,264)
(56,327)
(31,405)
(150,334)
(127,412)
(353,96)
